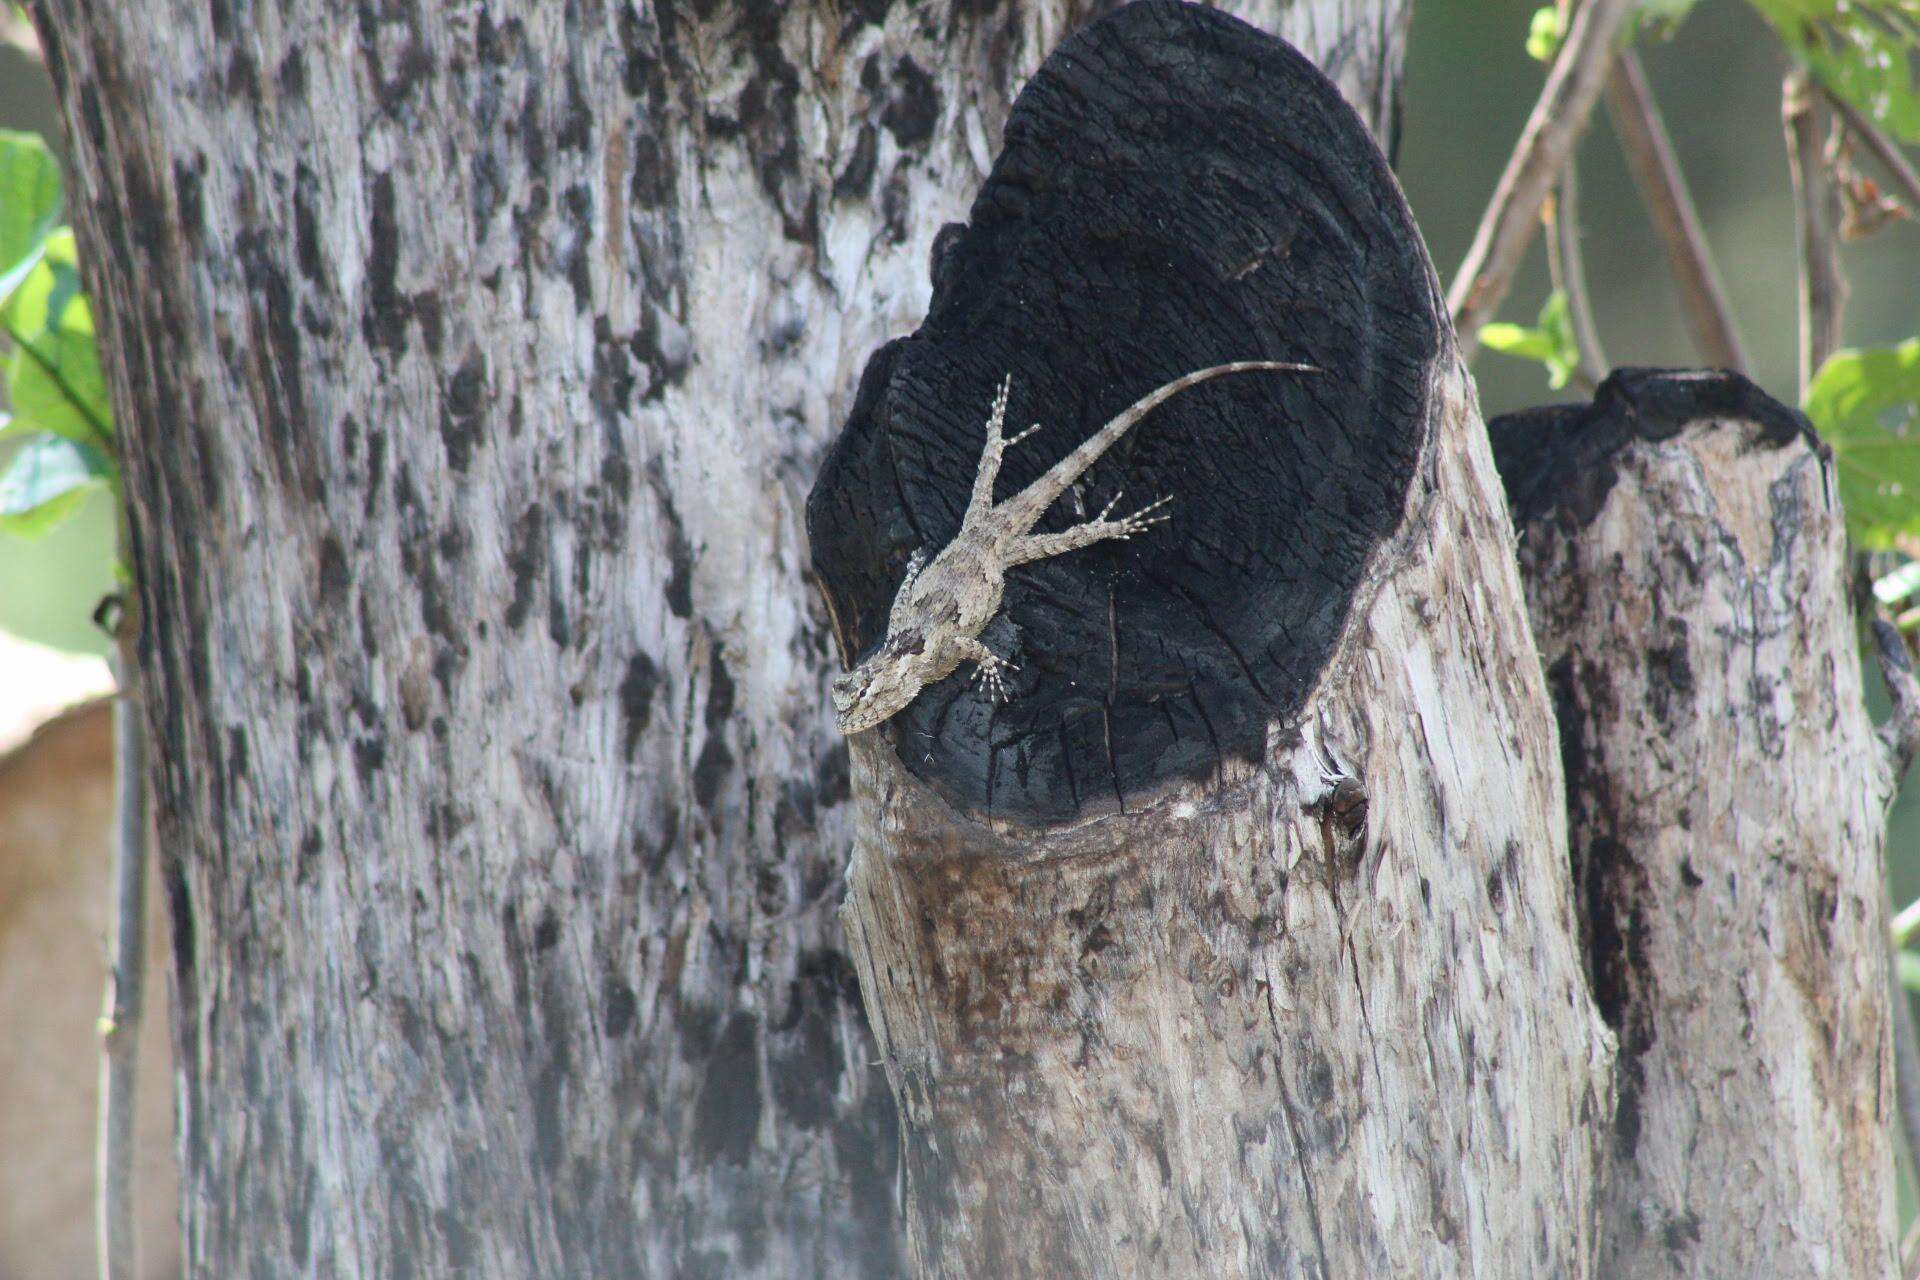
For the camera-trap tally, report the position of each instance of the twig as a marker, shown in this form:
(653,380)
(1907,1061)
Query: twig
(1906,1062)
(120,1024)
(1663,189)
(1891,158)
(1558,119)
(18,33)
(1568,267)
(1823,290)
(1900,735)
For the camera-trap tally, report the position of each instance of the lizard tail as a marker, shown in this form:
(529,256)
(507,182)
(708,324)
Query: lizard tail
(1050,486)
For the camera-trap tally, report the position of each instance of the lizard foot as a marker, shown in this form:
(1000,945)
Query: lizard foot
(1140,521)
(987,673)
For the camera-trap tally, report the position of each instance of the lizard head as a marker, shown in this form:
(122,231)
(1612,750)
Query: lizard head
(887,681)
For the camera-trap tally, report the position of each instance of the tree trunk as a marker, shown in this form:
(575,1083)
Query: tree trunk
(1239,942)
(1686,566)
(472,363)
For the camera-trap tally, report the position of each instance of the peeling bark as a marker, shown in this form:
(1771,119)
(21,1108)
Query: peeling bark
(1686,568)
(473,361)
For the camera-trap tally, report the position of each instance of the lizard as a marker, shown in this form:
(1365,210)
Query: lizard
(944,603)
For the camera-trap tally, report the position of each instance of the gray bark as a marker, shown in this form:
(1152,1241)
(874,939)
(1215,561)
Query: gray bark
(473,362)
(1321,1016)
(1727,801)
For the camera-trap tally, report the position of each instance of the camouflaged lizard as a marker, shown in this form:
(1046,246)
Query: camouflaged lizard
(943,604)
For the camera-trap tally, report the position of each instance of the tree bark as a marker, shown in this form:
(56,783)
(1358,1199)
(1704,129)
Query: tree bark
(1686,568)
(472,362)
(1239,943)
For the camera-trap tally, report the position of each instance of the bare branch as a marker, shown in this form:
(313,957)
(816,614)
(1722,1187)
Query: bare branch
(1906,1063)
(1823,289)
(120,1024)
(1891,158)
(1558,120)
(1900,735)
(1568,266)
(1663,188)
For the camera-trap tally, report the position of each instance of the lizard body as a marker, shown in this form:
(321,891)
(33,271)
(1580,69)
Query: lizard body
(943,604)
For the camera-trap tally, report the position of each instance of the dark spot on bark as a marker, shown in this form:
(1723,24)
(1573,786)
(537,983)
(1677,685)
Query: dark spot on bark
(558,629)
(1681,1232)
(306,224)
(243,75)
(369,757)
(292,75)
(334,578)
(462,1251)
(710,771)
(548,1092)
(427,310)
(547,932)
(618,1007)
(719,692)
(460,410)
(1688,876)
(236,752)
(527,557)
(376,466)
(727,1116)
(576,125)
(913,106)
(385,321)
(679,591)
(271,303)
(576,205)
(1496,889)
(1669,680)
(636,696)
(857,175)
(836,775)
(187,192)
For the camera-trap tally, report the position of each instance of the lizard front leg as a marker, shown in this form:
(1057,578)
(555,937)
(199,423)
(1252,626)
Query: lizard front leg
(1039,546)
(989,665)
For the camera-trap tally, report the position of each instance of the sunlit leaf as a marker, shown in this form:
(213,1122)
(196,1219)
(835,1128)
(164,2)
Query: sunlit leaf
(1544,34)
(1861,50)
(29,204)
(1550,341)
(1866,405)
(48,478)
(1909,970)
(53,374)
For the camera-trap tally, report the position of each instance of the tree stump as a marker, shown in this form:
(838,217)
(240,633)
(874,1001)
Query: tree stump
(1239,942)
(1685,560)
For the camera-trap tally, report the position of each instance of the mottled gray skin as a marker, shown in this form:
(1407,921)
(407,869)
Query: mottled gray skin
(943,605)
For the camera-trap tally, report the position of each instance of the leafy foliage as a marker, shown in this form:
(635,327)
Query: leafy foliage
(1550,340)
(1866,406)
(54,385)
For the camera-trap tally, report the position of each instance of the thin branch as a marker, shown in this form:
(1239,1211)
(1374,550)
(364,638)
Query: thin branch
(1900,735)
(1663,189)
(1891,158)
(1558,119)
(126,982)
(1906,1061)
(1568,266)
(1823,290)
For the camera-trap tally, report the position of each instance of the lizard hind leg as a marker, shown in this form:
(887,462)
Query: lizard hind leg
(1040,546)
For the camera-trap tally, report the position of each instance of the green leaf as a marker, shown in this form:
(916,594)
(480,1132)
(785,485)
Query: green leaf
(1550,341)
(53,375)
(29,204)
(1866,406)
(48,478)
(1544,34)
(1861,50)
(1909,970)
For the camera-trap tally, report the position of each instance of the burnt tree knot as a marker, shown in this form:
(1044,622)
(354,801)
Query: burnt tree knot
(1559,457)
(1175,191)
